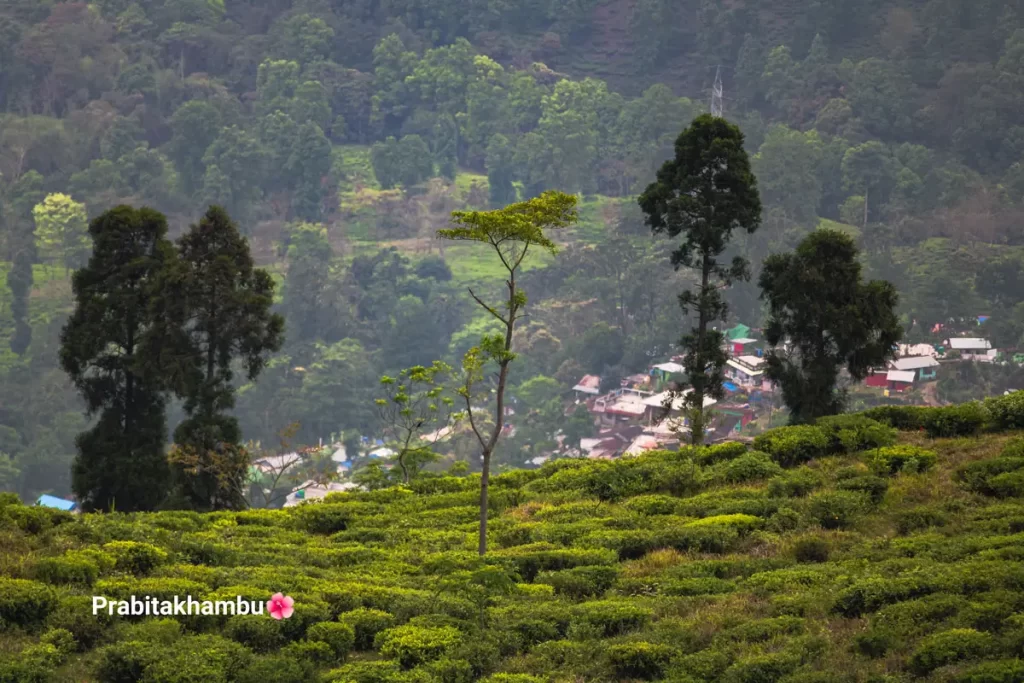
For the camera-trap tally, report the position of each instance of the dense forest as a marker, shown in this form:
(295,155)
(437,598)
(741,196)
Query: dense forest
(341,135)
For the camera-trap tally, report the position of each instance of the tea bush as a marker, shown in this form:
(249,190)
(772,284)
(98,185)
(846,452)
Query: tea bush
(948,647)
(852,433)
(413,645)
(950,421)
(904,458)
(1006,412)
(339,637)
(903,418)
(639,660)
(791,446)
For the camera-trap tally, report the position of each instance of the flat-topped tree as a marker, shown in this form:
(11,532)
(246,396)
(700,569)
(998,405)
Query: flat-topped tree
(704,194)
(510,233)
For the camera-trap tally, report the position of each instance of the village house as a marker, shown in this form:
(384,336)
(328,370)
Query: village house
(923,367)
(892,380)
(654,406)
(590,385)
(664,371)
(973,348)
(747,371)
(621,405)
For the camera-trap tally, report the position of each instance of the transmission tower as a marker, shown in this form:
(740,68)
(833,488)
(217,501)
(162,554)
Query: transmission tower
(716,94)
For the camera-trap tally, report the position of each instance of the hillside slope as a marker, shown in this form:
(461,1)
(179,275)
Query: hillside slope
(837,558)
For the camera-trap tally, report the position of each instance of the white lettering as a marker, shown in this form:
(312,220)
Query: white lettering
(98,603)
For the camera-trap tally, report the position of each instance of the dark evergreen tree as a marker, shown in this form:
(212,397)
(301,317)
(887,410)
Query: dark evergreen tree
(831,320)
(705,193)
(212,311)
(121,461)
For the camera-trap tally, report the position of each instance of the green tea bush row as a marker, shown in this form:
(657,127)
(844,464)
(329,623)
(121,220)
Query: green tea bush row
(794,445)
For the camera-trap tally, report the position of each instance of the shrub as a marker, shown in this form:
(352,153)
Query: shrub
(414,645)
(613,618)
(74,613)
(366,624)
(25,603)
(256,632)
(1006,412)
(513,678)
(761,668)
(852,433)
(873,487)
(340,637)
(948,647)
(903,418)
(652,504)
(836,509)
(903,458)
(279,668)
(966,419)
(198,658)
(873,643)
(35,520)
(794,483)
(528,560)
(66,570)
(721,452)
(793,445)
(751,466)
(984,477)
(867,595)
(646,661)
(1002,671)
(811,550)
(125,662)
(134,557)
(580,582)
(322,517)
(918,518)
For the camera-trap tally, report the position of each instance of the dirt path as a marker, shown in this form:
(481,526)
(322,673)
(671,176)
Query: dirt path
(929,392)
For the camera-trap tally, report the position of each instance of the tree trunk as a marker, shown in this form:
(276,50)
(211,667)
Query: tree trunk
(485,479)
(697,421)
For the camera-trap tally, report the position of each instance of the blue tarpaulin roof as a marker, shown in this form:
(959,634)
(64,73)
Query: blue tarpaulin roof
(729,386)
(54,502)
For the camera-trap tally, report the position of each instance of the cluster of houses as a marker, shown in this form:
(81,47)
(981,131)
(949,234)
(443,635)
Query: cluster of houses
(644,413)
(918,363)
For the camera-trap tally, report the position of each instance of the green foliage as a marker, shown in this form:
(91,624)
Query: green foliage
(904,418)
(1006,412)
(135,557)
(704,194)
(793,445)
(640,660)
(852,433)
(414,645)
(817,292)
(837,509)
(895,459)
(949,421)
(948,647)
(341,637)
(366,624)
(25,603)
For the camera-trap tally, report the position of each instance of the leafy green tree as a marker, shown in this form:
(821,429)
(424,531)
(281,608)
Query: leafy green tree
(308,164)
(831,319)
(240,163)
(337,389)
(195,125)
(786,167)
(509,232)
(62,229)
(121,458)
(306,284)
(705,194)
(212,315)
(500,171)
(392,65)
(414,404)
(869,171)
(16,217)
(310,105)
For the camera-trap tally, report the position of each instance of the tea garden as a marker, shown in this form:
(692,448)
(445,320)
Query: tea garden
(879,547)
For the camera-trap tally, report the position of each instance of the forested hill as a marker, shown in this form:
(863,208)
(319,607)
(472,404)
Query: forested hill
(341,135)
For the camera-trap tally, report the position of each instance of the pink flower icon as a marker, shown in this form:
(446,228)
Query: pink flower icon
(280,606)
